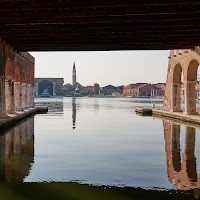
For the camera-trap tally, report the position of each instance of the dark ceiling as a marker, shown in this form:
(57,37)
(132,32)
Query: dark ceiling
(78,25)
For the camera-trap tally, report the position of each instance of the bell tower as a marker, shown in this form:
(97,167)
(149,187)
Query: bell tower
(74,74)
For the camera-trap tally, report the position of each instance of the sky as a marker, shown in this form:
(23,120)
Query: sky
(103,67)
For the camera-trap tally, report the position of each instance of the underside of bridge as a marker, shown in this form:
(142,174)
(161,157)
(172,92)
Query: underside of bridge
(78,25)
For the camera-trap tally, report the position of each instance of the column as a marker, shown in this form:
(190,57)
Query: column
(29,95)
(175,97)
(9,95)
(190,99)
(18,95)
(24,95)
(2,97)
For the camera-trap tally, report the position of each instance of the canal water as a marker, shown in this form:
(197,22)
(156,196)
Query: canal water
(102,148)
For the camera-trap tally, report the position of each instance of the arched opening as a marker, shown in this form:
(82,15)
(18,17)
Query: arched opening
(176,89)
(197,91)
(8,70)
(190,88)
(9,87)
(18,89)
(24,89)
(45,88)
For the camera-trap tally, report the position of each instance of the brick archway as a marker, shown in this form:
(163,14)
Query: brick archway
(176,87)
(177,73)
(9,87)
(8,70)
(186,61)
(192,70)
(191,80)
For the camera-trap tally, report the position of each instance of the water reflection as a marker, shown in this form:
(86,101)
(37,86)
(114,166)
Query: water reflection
(17,152)
(182,174)
(73,113)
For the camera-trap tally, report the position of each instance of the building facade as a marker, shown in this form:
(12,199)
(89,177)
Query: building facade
(45,87)
(144,89)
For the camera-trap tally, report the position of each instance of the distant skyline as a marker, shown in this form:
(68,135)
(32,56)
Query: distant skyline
(103,67)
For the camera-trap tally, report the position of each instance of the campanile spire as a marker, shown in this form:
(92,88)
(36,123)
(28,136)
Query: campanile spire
(74,74)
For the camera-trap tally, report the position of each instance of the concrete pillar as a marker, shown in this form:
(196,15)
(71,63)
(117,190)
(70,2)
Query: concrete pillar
(24,95)
(9,95)
(18,95)
(175,97)
(190,99)
(29,95)
(2,97)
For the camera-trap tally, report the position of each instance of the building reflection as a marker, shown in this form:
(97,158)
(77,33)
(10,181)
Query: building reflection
(17,152)
(73,113)
(182,174)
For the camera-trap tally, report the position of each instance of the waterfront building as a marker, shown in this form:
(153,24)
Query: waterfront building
(145,89)
(48,86)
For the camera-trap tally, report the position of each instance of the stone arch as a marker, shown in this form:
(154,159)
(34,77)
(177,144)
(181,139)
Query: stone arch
(45,88)
(177,73)
(18,88)
(9,87)
(190,92)
(176,88)
(192,70)
(8,70)
(17,73)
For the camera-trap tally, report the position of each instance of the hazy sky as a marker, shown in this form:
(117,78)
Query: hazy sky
(103,67)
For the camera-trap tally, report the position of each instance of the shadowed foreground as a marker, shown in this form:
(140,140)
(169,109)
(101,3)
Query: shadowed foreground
(77,191)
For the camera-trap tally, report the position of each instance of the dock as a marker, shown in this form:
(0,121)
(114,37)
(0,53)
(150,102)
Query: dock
(180,116)
(11,119)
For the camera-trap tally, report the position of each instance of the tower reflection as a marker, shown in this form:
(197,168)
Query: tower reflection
(17,152)
(73,113)
(183,175)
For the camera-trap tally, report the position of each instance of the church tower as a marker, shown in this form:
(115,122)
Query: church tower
(74,74)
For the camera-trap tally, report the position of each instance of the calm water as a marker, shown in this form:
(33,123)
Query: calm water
(101,142)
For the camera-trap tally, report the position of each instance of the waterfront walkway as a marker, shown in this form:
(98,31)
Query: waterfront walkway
(11,119)
(195,119)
